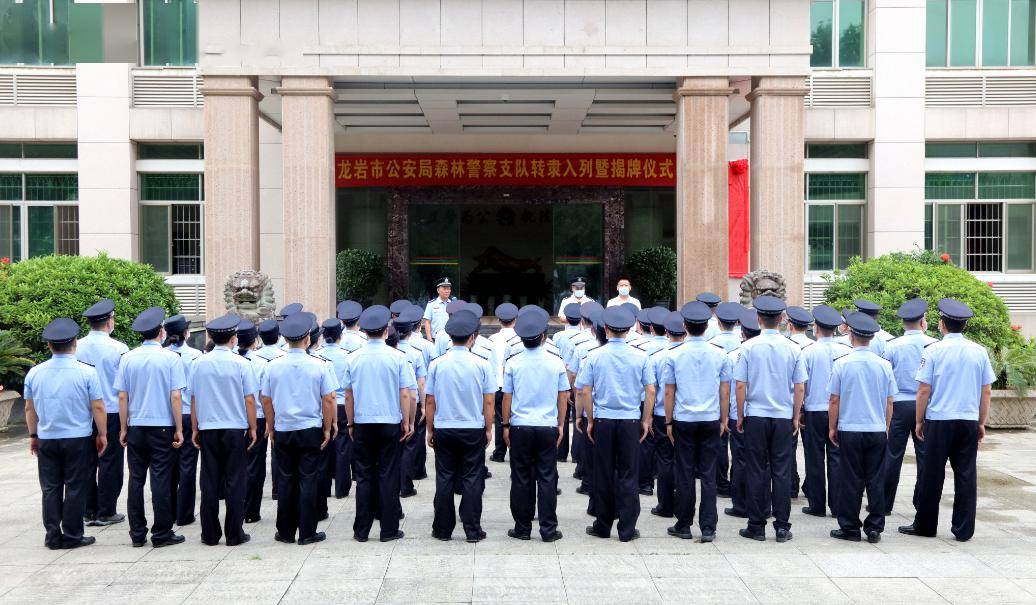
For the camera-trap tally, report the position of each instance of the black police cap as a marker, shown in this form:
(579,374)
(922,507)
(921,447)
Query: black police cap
(100,310)
(632,308)
(332,327)
(148,320)
(862,324)
(867,306)
(674,323)
(729,312)
(269,326)
(176,323)
(617,318)
(444,282)
(398,306)
(374,318)
(224,324)
(475,308)
(593,314)
(530,325)
(954,309)
(455,305)
(827,317)
(657,316)
(696,312)
(799,316)
(462,324)
(577,281)
(708,298)
(769,305)
(750,321)
(296,327)
(642,316)
(349,310)
(507,311)
(411,314)
(246,328)
(290,309)
(61,331)
(913,309)
(572,311)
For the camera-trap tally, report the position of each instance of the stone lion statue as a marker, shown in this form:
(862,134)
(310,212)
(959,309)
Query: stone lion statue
(762,283)
(250,294)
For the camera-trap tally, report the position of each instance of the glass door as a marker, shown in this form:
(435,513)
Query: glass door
(434,248)
(578,233)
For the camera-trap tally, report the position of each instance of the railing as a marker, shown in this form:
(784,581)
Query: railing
(978,88)
(38,86)
(167,87)
(851,88)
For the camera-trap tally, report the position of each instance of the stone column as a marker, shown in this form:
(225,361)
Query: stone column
(307,135)
(778,224)
(231,183)
(701,187)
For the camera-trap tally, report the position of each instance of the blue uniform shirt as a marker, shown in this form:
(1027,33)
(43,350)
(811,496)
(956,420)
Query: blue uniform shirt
(187,355)
(653,343)
(458,379)
(104,353)
(617,374)
(802,340)
(904,353)
(697,369)
(877,343)
(259,369)
(863,382)
(584,339)
(657,361)
(435,313)
(269,352)
(296,382)
(733,357)
(957,369)
(563,338)
(375,375)
(728,340)
(423,345)
(219,382)
(534,378)
(352,340)
(62,390)
(338,356)
(416,359)
(772,365)
(819,357)
(148,374)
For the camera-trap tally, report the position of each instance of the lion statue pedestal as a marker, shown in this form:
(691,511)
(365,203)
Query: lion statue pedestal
(249,294)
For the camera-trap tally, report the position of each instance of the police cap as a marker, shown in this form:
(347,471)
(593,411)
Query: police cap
(571,311)
(149,320)
(374,318)
(696,312)
(444,282)
(398,306)
(799,316)
(750,321)
(643,316)
(769,305)
(617,318)
(476,309)
(593,314)
(590,305)
(507,311)
(314,324)
(632,308)
(332,327)
(708,298)
(577,281)
(349,310)
(526,309)
(247,329)
(176,323)
(913,309)
(268,327)
(530,325)
(61,331)
(462,324)
(411,314)
(827,317)
(729,312)
(290,309)
(845,313)
(674,323)
(100,310)
(296,327)
(867,306)
(862,324)
(657,316)
(455,305)
(224,324)
(954,309)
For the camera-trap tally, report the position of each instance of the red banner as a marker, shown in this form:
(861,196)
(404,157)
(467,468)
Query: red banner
(519,169)
(737,217)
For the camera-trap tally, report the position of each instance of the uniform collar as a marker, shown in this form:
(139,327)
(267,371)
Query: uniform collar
(570,327)
(674,343)
(770,331)
(98,333)
(273,346)
(152,343)
(221,348)
(332,345)
(694,339)
(826,339)
(291,351)
(952,336)
(376,342)
(458,347)
(617,340)
(63,356)
(911,332)
(861,349)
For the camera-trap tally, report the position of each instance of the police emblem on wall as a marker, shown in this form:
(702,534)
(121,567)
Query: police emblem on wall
(249,294)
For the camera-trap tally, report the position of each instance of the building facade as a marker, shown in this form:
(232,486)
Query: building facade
(513,144)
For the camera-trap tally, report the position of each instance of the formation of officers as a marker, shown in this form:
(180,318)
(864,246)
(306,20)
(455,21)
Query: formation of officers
(689,405)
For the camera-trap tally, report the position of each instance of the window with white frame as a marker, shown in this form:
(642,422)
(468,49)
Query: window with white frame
(988,33)
(983,220)
(39,215)
(171,222)
(835,204)
(837,33)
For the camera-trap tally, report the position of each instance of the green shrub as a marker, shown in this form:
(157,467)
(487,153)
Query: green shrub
(358,274)
(892,279)
(1015,367)
(37,290)
(14,361)
(653,274)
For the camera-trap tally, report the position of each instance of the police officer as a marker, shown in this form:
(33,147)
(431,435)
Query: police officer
(770,379)
(326,460)
(270,334)
(592,337)
(573,320)
(726,315)
(654,339)
(247,335)
(799,322)
(663,451)
(862,387)
(872,309)
(150,381)
(341,448)
(904,353)
(442,340)
(577,294)
(223,388)
(103,352)
(412,447)
(459,419)
(506,313)
(435,315)
(416,339)
(749,324)
(697,388)
(349,312)
(298,398)
(535,402)
(820,453)
(379,410)
(712,301)
(185,472)
(955,379)
(617,378)
(68,428)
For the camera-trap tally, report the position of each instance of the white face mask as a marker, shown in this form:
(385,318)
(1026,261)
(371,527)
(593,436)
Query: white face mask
(580,293)
(624,291)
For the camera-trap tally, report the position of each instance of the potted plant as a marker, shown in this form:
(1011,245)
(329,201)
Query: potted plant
(358,275)
(653,274)
(14,362)
(1013,403)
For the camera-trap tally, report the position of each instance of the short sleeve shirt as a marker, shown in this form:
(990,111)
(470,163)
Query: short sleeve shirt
(104,353)
(697,369)
(219,382)
(375,374)
(957,369)
(772,365)
(296,382)
(534,378)
(62,390)
(148,375)
(863,382)
(616,374)
(458,379)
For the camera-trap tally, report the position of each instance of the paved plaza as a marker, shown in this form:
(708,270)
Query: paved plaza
(997,566)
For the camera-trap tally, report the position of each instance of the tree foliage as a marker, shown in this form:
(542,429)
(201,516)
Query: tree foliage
(652,272)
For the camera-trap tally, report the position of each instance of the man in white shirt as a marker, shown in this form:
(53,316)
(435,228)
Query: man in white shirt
(623,288)
(578,295)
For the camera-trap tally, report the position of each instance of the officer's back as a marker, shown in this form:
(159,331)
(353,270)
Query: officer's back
(295,381)
(103,353)
(220,380)
(376,374)
(904,353)
(148,374)
(956,368)
(616,373)
(863,381)
(62,389)
(459,379)
(770,363)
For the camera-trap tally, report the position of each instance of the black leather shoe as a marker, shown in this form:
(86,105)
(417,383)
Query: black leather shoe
(84,541)
(911,530)
(656,511)
(783,535)
(398,536)
(647,491)
(554,537)
(213,543)
(707,536)
(420,476)
(839,534)
(253,519)
(139,544)
(582,491)
(109,520)
(557,491)
(513,533)
(441,538)
(359,538)
(481,535)
(683,534)
(815,513)
(874,536)
(317,537)
(733,512)
(751,535)
(244,539)
(170,541)
(187,521)
(409,493)
(636,534)
(323,516)
(578,476)
(489,474)
(592,531)
(496,458)
(281,538)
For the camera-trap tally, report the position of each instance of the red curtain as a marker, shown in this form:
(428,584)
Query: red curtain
(737,217)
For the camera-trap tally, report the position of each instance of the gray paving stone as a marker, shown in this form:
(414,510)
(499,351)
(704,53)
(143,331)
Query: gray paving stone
(775,589)
(358,590)
(689,566)
(979,590)
(426,590)
(791,565)
(888,590)
(517,566)
(152,594)
(519,590)
(704,590)
(256,590)
(597,589)
(174,572)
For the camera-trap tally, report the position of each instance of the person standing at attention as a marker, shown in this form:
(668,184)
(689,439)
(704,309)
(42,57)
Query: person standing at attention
(623,288)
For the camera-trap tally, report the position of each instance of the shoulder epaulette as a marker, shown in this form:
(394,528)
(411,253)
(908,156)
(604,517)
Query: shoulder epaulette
(515,354)
(893,338)
(656,352)
(85,363)
(837,357)
(791,339)
(808,344)
(931,343)
(555,354)
(479,356)
(718,346)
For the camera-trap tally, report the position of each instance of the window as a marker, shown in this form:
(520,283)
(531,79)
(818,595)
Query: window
(980,150)
(834,219)
(170,151)
(50,32)
(992,33)
(39,151)
(983,221)
(836,151)
(836,33)
(650,218)
(170,32)
(171,222)
(39,215)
